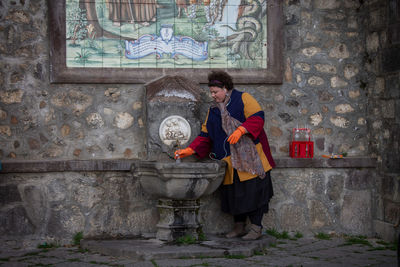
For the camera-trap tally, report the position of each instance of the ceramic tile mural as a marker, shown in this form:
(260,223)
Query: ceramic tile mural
(166,34)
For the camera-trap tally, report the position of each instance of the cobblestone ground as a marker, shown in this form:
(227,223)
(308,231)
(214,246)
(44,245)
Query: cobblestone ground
(300,252)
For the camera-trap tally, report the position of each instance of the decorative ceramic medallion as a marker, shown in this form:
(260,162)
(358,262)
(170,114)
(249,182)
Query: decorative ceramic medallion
(174,128)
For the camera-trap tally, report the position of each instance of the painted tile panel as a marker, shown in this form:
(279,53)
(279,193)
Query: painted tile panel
(166,33)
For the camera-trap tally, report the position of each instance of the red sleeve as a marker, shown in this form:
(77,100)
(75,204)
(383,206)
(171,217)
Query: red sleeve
(265,145)
(202,146)
(254,125)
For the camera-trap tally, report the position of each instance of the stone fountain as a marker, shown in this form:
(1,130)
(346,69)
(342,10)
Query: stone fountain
(174,116)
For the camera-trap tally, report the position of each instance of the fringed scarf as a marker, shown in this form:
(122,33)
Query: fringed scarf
(244,154)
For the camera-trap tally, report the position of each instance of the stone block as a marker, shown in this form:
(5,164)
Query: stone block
(356,213)
(320,143)
(385,230)
(360,179)
(292,218)
(388,109)
(319,214)
(35,203)
(397,111)
(65,221)
(335,187)
(392,88)
(391,212)
(317,183)
(327,4)
(390,161)
(15,221)
(389,186)
(391,60)
(9,194)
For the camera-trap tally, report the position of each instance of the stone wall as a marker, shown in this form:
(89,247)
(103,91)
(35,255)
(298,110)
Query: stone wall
(324,88)
(340,80)
(383,84)
(54,206)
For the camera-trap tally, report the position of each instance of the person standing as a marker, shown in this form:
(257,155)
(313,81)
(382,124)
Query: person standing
(233,131)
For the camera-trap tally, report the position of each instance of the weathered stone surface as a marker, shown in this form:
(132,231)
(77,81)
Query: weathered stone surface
(13,120)
(340,121)
(285,117)
(288,71)
(320,143)
(340,51)
(327,4)
(325,96)
(311,38)
(33,143)
(372,42)
(385,230)
(137,105)
(95,120)
(391,60)
(315,81)
(292,103)
(388,109)
(77,152)
(344,108)
(311,51)
(275,131)
(317,183)
(297,93)
(350,71)
(292,218)
(392,211)
(303,66)
(354,94)
(360,180)
(113,93)
(11,96)
(53,151)
(5,130)
(87,196)
(35,204)
(356,213)
(3,114)
(15,222)
(337,82)
(335,187)
(140,122)
(9,194)
(316,119)
(19,16)
(65,220)
(123,120)
(74,99)
(326,68)
(319,215)
(65,130)
(392,87)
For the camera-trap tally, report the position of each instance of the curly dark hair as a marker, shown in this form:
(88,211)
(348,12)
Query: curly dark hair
(220,79)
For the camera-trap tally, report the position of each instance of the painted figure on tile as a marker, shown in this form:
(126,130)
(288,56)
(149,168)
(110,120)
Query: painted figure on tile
(131,11)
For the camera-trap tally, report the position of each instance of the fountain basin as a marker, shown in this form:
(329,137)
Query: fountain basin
(184,180)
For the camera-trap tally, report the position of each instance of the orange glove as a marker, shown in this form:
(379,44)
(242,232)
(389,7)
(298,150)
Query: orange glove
(181,153)
(235,136)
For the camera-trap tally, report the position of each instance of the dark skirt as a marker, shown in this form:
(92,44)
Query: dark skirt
(247,196)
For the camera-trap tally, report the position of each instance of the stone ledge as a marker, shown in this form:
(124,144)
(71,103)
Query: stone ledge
(348,162)
(34,166)
(66,165)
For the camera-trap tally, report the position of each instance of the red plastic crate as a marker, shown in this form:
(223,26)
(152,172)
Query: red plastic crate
(302,149)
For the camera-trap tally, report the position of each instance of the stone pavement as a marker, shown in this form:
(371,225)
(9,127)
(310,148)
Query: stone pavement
(336,251)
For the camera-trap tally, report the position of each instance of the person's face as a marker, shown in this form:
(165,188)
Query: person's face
(218,93)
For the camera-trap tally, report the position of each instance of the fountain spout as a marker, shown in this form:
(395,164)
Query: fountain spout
(176,146)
